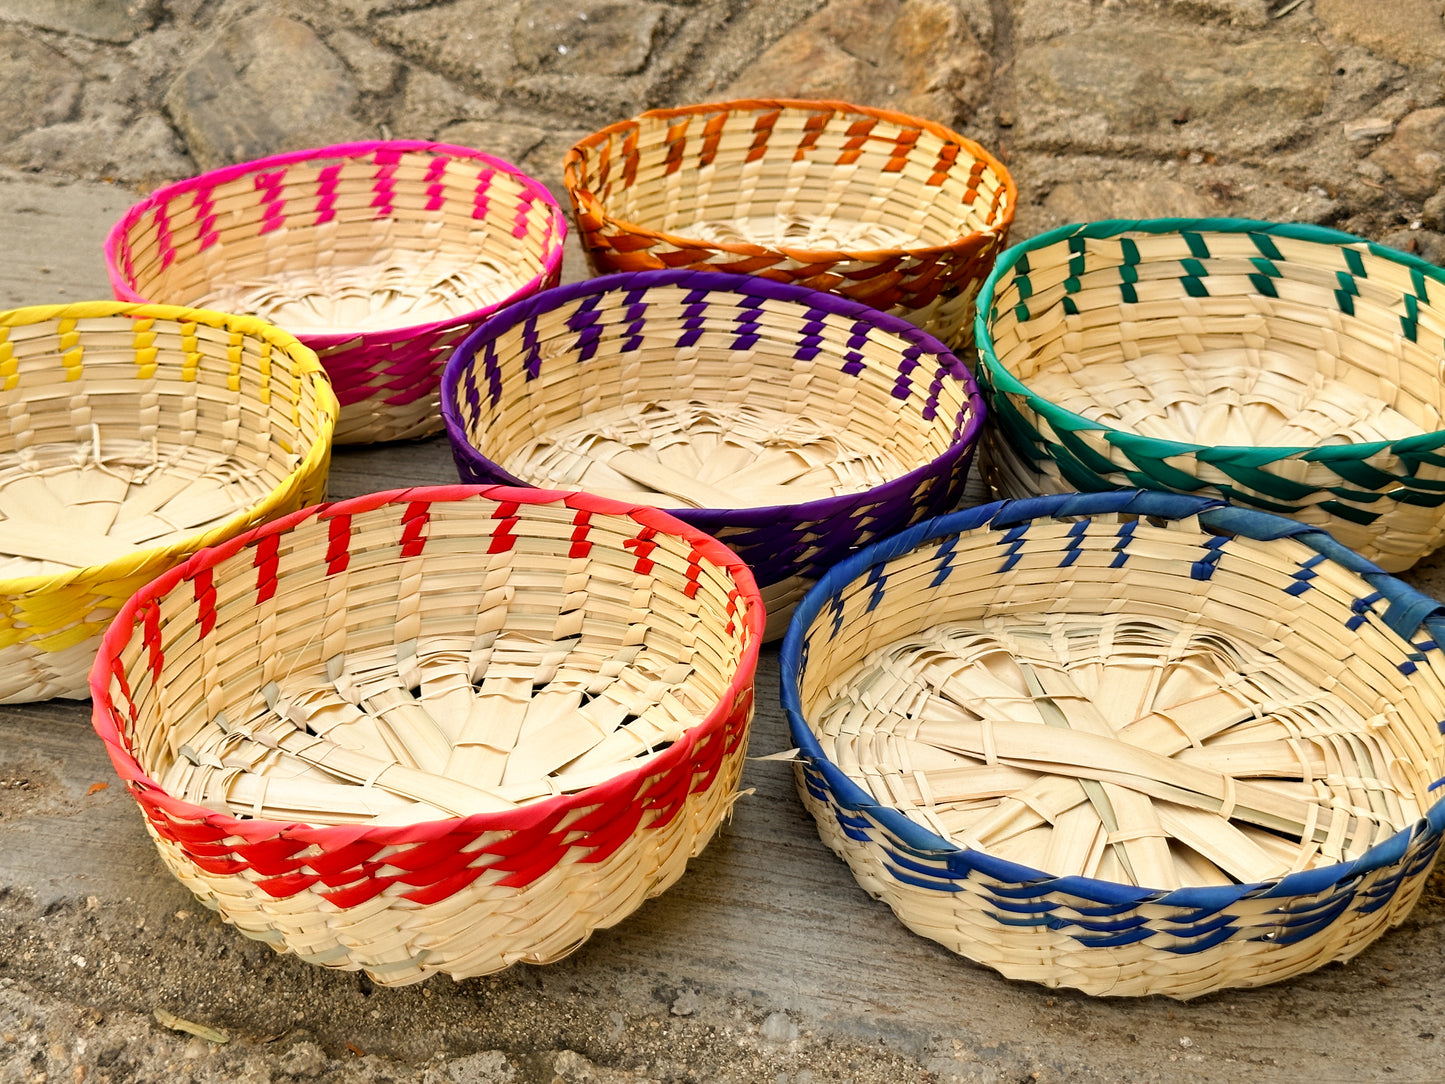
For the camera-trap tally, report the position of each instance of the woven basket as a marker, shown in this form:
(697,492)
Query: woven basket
(794,425)
(899,213)
(380,256)
(1289,368)
(1129,742)
(134,436)
(442,729)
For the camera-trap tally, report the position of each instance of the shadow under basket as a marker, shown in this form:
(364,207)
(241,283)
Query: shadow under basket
(380,256)
(1131,743)
(795,426)
(1283,367)
(134,435)
(445,729)
(887,209)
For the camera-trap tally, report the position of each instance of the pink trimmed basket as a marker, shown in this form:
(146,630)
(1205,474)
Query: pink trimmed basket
(380,256)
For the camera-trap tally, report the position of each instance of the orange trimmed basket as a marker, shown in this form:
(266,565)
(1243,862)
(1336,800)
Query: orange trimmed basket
(890,210)
(442,729)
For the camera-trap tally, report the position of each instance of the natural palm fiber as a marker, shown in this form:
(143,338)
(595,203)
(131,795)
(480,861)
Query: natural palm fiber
(1289,368)
(379,255)
(135,435)
(899,213)
(1132,743)
(793,425)
(441,729)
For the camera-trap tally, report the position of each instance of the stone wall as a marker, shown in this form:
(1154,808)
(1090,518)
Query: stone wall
(1326,111)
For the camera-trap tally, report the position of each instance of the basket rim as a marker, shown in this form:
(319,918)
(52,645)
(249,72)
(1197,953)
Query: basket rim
(579,195)
(104,716)
(551,256)
(1005,382)
(1409,610)
(716,282)
(317,456)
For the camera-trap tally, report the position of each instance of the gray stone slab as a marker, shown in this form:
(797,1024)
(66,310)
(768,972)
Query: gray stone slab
(264,85)
(37,84)
(101,20)
(1122,85)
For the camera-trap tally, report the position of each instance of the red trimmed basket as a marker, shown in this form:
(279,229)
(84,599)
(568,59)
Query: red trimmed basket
(440,729)
(380,256)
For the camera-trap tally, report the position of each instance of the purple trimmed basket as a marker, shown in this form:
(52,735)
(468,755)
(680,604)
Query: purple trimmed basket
(380,256)
(794,425)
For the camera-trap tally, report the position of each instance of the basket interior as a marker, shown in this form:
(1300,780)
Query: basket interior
(126,433)
(1235,339)
(423,660)
(820,180)
(330,245)
(1139,701)
(709,400)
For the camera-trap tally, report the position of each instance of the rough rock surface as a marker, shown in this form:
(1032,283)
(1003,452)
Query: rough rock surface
(920,57)
(1262,105)
(241,97)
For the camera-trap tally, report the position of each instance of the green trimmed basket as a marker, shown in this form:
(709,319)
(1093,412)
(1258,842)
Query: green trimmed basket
(1288,368)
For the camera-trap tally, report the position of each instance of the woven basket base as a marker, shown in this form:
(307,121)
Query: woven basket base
(1236,396)
(114,495)
(400,733)
(1131,749)
(704,455)
(484,927)
(391,290)
(829,233)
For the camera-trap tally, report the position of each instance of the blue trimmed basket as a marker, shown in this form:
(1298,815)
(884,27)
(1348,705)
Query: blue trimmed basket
(1287,368)
(1130,742)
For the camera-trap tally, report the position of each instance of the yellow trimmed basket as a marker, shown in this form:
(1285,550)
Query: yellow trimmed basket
(134,436)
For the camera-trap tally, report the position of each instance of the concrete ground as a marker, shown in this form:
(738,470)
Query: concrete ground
(765,962)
